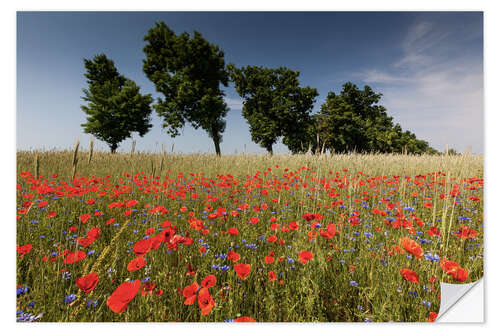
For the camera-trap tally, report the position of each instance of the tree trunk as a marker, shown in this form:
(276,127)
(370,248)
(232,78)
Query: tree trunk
(214,134)
(270,150)
(217,147)
(113,147)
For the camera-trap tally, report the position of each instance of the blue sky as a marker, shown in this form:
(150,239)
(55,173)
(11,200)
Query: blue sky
(427,65)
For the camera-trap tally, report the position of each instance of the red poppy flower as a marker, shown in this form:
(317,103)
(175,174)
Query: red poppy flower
(409,275)
(432,317)
(22,250)
(433,231)
(244,320)
(209,281)
(94,233)
(254,220)
(411,247)
(167,233)
(448,265)
(119,299)
(272,238)
(305,256)
(84,218)
(166,224)
(268,259)
(156,241)
(312,234)
(142,247)
(466,233)
(74,257)
(85,241)
(293,225)
(308,217)
(331,229)
(88,282)
(132,203)
(190,293)
(242,270)
(136,264)
(233,231)
(147,288)
(272,276)
(233,256)
(454,270)
(150,231)
(205,301)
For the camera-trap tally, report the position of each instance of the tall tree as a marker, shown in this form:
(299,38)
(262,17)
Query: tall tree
(115,106)
(274,105)
(353,120)
(188,71)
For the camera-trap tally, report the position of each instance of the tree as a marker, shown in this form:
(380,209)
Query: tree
(354,121)
(115,106)
(188,71)
(274,105)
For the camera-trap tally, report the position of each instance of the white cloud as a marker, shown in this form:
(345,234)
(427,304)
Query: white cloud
(235,104)
(434,90)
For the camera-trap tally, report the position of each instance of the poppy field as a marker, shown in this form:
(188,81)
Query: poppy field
(288,238)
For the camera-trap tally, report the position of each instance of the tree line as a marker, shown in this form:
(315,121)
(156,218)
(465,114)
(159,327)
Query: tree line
(188,72)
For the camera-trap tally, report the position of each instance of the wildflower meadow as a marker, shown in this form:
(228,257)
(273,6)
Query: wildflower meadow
(150,237)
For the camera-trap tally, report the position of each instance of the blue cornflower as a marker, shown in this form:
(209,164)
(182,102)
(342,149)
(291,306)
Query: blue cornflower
(22,290)
(353,283)
(70,298)
(431,257)
(92,303)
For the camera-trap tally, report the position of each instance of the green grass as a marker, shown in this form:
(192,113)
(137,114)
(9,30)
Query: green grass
(317,291)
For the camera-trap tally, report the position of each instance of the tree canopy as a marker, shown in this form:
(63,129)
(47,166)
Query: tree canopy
(188,71)
(354,121)
(274,105)
(115,106)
